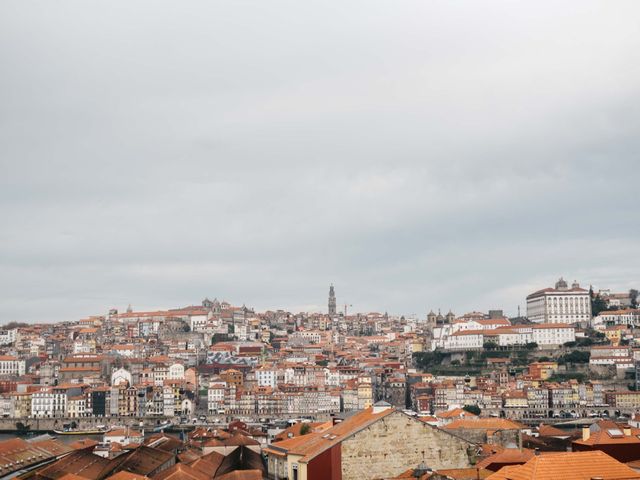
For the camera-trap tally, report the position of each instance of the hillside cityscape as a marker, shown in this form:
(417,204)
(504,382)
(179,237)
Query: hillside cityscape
(319,240)
(219,391)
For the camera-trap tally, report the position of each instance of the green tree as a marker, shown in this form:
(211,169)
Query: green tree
(584,342)
(598,304)
(576,356)
(633,295)
(305,428)
(21,427)
(426,360)
(472,409)
(12,325)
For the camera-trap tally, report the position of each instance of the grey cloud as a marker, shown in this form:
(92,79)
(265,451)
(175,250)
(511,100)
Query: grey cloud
(418,155)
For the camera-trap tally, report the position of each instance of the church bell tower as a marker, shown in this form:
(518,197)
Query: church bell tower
(332,301)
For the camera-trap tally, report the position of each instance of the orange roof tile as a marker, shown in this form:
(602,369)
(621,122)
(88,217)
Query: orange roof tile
(484,424)
(508,456)
(127,476)
(568,466)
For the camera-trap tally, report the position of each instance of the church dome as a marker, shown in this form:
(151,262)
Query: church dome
(561,284)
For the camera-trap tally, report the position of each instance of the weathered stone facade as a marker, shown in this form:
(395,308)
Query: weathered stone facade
(508,438)
(398,442)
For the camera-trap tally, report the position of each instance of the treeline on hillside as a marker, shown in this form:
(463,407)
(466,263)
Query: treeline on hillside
(12,325)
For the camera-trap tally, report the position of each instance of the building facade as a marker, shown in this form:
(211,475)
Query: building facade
(560,304)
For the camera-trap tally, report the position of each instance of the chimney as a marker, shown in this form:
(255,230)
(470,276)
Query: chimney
(627,430)
(586,433)
(536,452)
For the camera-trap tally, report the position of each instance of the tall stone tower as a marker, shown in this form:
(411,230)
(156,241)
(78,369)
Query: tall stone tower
(332,301)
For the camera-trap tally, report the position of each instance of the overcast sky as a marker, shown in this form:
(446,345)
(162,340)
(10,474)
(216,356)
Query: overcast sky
(418,154)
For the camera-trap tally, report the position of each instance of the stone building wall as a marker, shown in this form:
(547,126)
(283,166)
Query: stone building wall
(505,438)
(398,442)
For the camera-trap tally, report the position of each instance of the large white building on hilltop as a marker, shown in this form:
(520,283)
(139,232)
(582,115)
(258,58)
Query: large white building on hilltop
(560,304)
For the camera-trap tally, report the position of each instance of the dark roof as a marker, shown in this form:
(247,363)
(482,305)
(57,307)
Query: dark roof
(16,453)
(81,462)
(146,460)
(164,442)
(208,463)
(181,471)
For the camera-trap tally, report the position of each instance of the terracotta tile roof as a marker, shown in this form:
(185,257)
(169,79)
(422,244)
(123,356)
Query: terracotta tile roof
(456,413)
(611,435)
(465,473)
(549,431)
(127,476)
(294,430)
(290,445)
(17,453)
(508,456)
(568,466)
(181,471)
(81,462)
(190,455)
(208,463)
(238,439)
(146,460)
(52,446)
(84,443)
(242,475)
(484,424)
(164,442)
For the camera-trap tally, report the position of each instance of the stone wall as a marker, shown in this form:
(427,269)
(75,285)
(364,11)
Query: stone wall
(49,424)
(398,442)
(507,438)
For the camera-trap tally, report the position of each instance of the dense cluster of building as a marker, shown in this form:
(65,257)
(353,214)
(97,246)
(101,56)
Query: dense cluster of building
(216,363)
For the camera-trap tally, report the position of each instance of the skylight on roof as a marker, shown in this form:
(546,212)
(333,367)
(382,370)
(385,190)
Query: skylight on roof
(615,432)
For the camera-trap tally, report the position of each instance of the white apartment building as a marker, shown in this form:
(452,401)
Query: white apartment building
(512,336)
(306,336)
(176,372)
(553,334)
(331,377)
(629,317)
(169,401)
(46,404)
(10,365)
(266,377)
(480,324)
(560,304)
(198,323)
(7,406)
(215,397)
(548,334)
(610,351)
(7,337)
(464,340)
